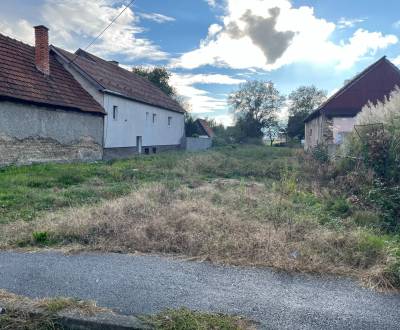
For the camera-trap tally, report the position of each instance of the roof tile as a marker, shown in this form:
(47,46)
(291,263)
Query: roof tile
(19,79)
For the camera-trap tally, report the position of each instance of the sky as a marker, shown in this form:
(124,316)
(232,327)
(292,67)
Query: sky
(212,46)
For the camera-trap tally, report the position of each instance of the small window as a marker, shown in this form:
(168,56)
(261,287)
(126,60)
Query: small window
(147,116)
(154,118)
(154,150)
(340,137)
(115,112)
(169,121)
(310,131)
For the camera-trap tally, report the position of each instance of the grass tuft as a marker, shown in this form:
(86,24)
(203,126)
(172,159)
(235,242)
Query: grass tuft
(185,319)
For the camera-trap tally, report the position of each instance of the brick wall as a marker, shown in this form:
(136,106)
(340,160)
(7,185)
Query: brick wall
(37,149)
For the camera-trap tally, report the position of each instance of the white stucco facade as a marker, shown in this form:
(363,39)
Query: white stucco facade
(127,120)
(133,119)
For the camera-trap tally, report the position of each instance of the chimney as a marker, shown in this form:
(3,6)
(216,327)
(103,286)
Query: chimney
(42,59)
(114,62)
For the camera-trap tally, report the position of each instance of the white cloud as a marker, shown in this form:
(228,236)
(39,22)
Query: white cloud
(21,30)
(396,60)
(74,23)
(257,34)
(212,3)
(344,22)
(201,100)
(396,24)
(226,120)
(155,17)
(70,19)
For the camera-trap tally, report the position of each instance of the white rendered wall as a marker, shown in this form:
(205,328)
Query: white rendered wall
(132,122)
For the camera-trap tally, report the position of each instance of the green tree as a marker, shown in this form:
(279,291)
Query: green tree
(159,76)
(190,125)
(255,106)
(302,102)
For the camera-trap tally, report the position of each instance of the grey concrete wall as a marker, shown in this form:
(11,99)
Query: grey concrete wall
(197,144)
(30,133)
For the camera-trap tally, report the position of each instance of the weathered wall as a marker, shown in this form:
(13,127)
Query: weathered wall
(197,144)
(313,132)
(31,133)
(341,127)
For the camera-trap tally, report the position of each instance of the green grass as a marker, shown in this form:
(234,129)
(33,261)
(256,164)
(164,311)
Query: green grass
(27,192)
(185,319)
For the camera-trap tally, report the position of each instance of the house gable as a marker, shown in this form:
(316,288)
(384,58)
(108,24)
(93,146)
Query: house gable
(109,78)
(372,85)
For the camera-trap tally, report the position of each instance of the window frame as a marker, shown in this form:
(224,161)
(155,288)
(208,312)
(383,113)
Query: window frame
(115,113)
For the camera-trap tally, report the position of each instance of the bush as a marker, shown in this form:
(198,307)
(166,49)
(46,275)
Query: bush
(320,153)
(40,237)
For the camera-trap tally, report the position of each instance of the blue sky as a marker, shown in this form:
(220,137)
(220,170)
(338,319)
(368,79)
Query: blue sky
(211,46)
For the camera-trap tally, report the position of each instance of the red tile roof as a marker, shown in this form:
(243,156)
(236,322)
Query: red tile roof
(111,78)
(204,126)
(373,84)
(21,80)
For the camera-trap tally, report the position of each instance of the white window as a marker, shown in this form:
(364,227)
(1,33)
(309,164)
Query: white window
(147,116)
(154,117)
(115,112)
(169,121)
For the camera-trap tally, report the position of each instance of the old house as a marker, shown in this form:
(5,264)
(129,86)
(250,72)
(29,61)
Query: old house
(335,118)
(60,106)
(45,114)
(140,117)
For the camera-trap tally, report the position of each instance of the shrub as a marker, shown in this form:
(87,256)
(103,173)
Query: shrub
(320,153)
(40,237)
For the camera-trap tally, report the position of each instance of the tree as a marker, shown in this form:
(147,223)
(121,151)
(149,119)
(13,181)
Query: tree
(302,102)
(272,131)
(255,106)
(190,125)
(159,76)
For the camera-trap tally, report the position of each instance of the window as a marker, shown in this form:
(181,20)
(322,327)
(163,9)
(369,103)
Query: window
(115,112)
(147,116)
(310,131)
(169,121)
(340,137)
(154,118)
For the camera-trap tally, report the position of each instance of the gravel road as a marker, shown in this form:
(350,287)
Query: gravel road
(146,284)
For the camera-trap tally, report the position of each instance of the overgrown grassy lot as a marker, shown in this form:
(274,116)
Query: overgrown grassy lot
(244,205)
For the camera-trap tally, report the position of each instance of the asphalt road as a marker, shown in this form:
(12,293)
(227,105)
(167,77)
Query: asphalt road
(147,284)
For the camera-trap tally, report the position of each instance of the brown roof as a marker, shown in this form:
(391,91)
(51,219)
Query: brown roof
(111,78)
(204,126)
(20,80)
(371,85)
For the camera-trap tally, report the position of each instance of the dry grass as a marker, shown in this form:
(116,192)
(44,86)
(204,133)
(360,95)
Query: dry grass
(23,313)
(226,221)
(51,305)
(184,319)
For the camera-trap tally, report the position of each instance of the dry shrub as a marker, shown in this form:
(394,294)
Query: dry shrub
(225,221)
